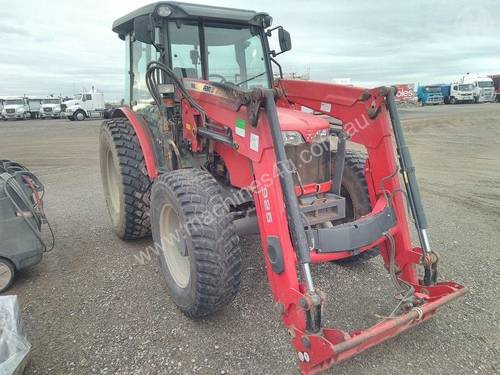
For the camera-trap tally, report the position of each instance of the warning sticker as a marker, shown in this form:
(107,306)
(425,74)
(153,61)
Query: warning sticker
(326,107)
(254,142)
(240,126)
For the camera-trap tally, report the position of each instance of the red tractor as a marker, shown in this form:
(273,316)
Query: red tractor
(210,146)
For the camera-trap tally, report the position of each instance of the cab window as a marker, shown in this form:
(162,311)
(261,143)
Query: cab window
(185,50)
(142,54)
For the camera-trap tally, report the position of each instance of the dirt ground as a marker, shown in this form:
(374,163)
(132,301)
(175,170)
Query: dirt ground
(92,305)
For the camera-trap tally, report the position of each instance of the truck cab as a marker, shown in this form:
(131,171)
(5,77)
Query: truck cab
(16,108)
(458,93)
(429,95)
(51,107)
(484,90)
(85,105)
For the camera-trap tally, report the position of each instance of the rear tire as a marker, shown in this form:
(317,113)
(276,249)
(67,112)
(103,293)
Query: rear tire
(196,241)
(125,181)
(355,190)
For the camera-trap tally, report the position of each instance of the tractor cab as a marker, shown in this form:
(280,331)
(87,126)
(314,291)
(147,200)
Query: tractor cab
(199,42)
(213,45)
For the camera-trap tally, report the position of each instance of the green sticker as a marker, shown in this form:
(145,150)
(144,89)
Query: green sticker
(240,127)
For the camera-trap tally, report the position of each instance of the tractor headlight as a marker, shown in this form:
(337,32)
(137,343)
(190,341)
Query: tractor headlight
(292,138)
(163,11)
(321,136)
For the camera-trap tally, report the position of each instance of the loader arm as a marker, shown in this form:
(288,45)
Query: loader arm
(365,118)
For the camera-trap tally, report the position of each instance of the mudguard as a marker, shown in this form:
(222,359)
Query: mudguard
(144,137)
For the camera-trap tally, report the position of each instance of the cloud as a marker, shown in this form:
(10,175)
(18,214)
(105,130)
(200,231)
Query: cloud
(9,30)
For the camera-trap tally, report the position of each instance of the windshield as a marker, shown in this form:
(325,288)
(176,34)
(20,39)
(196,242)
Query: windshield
(485,84)
(467,87)
(50,101)
(433,90)
(78,96)
(14,101)
(235,54)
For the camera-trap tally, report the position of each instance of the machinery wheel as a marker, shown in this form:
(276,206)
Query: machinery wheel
(7,273)
(125,181)
(453,100)
(196,241)
(355,190)
(79,115)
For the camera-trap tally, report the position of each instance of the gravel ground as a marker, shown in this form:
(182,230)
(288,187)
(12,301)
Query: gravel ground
(94,306)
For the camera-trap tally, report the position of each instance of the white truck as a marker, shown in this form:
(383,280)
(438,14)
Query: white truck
(16,108)
(51,107)
(484,90)
(85,105)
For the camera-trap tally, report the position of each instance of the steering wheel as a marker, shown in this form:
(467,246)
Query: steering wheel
(222,79)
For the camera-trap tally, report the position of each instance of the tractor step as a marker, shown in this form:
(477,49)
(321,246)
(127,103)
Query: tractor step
(323,208)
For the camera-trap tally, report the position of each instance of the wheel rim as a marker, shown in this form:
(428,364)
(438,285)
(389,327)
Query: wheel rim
(5,275)
(112,181)
(80,116)
(174,247)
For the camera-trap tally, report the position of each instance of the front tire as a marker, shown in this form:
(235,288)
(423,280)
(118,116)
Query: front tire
(79,115)
(355,190)
(196,241)
(7,273)
(125,181)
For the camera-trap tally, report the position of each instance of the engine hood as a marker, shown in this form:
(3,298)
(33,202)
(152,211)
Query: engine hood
(71,103)
(304,123)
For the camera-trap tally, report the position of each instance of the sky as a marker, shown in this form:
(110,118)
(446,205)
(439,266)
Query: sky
(52,47)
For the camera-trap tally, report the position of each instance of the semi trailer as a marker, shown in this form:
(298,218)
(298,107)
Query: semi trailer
(496,84)
(85,105)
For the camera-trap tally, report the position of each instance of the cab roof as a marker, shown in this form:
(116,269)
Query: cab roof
(125,24)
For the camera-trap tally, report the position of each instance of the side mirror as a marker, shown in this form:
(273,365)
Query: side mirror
(143,29)
(285,40)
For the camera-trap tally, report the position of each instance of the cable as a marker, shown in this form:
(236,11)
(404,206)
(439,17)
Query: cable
(25,200)
(153,78)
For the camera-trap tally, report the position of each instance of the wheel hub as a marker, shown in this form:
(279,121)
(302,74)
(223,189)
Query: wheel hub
(174,247)
(5,275)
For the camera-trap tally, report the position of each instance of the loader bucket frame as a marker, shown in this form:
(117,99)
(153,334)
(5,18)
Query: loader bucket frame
(366,120)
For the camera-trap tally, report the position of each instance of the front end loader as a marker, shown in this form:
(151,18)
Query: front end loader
(211,147)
